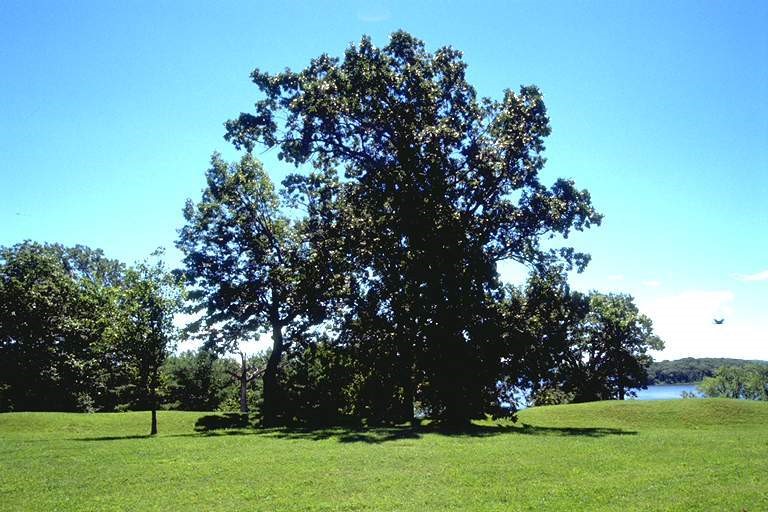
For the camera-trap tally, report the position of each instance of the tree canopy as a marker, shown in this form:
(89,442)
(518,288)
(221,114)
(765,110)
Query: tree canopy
(570,346)
(249,266)
(442,185)
(142,331)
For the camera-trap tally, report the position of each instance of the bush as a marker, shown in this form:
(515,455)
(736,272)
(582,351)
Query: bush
(552,396)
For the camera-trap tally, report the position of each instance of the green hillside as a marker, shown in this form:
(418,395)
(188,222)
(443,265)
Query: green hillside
(666,455)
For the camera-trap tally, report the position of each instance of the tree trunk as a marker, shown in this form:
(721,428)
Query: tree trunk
(406,328)
(153,401)
(409,384)
(153,429)
(410,391)
(621,378)
(271,386)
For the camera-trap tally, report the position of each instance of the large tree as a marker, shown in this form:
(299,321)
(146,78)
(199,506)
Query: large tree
(250,266)
(442,186)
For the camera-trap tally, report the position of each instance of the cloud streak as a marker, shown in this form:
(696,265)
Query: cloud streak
(759,276)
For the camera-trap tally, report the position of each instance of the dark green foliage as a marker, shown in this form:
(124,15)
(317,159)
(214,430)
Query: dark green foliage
(316,387)
(356,380)
(197,381)
(690,369)
(551,396)
(440,184)
(610,356)
(567,346)
(541,322)
(54,303)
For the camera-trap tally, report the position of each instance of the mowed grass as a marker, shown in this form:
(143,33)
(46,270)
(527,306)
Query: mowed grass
(667,455)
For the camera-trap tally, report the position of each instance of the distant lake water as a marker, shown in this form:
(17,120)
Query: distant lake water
(666,391)
(657,392)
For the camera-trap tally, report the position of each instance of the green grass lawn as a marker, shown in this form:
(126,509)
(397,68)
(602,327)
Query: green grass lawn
(686,455)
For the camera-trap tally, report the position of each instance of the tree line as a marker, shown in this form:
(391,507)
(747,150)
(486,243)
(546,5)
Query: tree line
(75,331)
(748,382)
(691,369)
(81,332)
(374,267)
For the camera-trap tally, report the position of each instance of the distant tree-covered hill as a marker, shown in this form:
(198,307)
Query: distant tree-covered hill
(691,369)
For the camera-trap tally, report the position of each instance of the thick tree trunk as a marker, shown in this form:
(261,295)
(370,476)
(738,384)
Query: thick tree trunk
(409,384)
(455,379)
(153,429)
(271,385)
(410,391)
(621,379)
(406,333)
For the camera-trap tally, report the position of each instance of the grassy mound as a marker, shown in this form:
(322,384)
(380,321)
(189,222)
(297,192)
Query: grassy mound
(650,414)
(666,455)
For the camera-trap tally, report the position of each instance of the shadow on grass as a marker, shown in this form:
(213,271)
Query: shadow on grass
(345,434)
(229,420)
(382,435)
(210,425)
(573,431)
(111,438)
(237,424)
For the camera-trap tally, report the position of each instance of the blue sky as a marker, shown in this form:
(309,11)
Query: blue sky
(110,111)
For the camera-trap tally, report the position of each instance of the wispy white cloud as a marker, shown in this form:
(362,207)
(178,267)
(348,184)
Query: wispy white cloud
(759,276)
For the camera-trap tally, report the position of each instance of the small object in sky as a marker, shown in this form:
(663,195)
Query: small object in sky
(718,321)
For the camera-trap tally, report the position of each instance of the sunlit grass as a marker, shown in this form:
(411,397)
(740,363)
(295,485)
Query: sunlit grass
(666,455)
